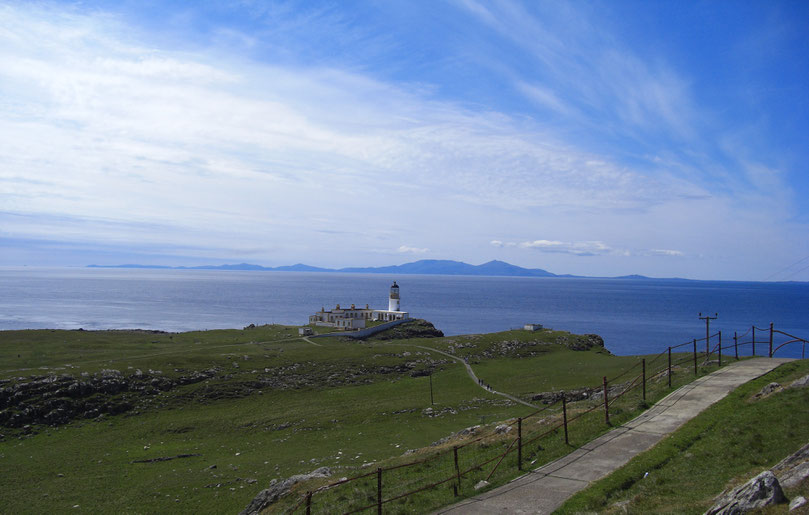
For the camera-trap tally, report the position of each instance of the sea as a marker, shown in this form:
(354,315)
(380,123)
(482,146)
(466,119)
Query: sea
(633,316)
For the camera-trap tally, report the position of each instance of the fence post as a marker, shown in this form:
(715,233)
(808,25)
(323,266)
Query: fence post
(736,345)
(519,443)
(379,491)
(669,367)
(754,341)
(644,379)
(720,349)
(606,403)
(457,468)
(695,356)
(308,503)
(771,339)
(564,417)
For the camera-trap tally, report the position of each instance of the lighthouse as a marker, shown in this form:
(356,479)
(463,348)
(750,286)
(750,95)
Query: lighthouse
(393,301)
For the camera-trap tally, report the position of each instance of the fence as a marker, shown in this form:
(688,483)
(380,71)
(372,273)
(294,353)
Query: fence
(550,430)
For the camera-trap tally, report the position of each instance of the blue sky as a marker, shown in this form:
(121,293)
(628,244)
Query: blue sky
(593,138)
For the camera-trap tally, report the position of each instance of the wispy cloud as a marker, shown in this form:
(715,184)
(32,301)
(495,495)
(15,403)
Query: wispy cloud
(665,252)
(583,248)
(404,249)
(578,248)
(106,128)
(325,132)
(577,63)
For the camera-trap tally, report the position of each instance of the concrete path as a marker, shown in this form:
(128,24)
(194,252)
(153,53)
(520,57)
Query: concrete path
(546,488)
(304,338)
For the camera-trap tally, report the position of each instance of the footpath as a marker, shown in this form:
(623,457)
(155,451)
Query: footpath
(546,488)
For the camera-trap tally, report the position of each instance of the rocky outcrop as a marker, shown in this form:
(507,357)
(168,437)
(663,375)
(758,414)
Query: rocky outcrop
(578,394)
(278,489)
(760,491)
(791,471)
(586,342)
(803,382)
(58,399)
(415,328)
(768,390)
(767,487)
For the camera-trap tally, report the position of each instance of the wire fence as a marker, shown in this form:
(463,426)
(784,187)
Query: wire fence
(493,455)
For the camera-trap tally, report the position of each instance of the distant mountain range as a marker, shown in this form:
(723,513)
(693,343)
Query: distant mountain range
(424,267)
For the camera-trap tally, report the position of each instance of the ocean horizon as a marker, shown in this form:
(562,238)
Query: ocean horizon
(633,316)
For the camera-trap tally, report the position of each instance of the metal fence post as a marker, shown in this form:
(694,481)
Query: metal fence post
(720,348)
(457,468)
(519,443)
(606,403)
(754,341)
(644,379)
(771,339)
(695,356)
(308,503)
(736,345)
(669,367)
(564,418)
(379,490)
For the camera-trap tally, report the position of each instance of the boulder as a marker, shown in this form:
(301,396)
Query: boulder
(760,491)
(797,502)
(792,470)
(803,382)
(502,429)
(769,389)
(276,489)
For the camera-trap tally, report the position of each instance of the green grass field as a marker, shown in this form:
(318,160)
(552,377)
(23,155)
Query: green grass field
(271,406)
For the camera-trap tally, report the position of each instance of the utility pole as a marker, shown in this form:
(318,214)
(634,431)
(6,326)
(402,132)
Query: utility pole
(708,319)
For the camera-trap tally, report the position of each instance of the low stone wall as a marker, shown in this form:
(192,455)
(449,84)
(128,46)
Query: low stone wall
(364,333)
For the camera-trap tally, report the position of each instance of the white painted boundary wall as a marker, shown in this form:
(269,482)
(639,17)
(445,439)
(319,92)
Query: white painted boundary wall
(363,333)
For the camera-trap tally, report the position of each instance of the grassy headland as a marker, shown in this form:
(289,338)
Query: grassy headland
(135,421)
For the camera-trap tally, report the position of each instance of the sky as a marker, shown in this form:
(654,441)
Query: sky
(604,138)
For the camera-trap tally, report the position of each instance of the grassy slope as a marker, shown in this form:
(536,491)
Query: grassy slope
(727,444)
(348,412)
(90,462)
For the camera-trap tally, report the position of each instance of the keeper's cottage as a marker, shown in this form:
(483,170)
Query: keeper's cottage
(352,318)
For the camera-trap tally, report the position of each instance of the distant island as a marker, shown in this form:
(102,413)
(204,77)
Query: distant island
(422,267)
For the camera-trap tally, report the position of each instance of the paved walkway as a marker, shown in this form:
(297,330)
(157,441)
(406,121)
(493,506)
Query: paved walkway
(546,488)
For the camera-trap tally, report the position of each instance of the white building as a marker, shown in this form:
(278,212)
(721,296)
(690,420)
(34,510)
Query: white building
(352,318)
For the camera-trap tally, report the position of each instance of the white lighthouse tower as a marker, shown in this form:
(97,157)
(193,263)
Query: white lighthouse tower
(393,301)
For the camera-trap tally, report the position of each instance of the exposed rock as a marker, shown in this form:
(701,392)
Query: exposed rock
(760,491)
(578,394)
(803,382)
(797,502)
(587,342)
(414,328)
(502,429)
(167,458)
(792,470)
(768,390)
(430,412)
(58,399)
(463,432)
(468,431)
(277,489)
